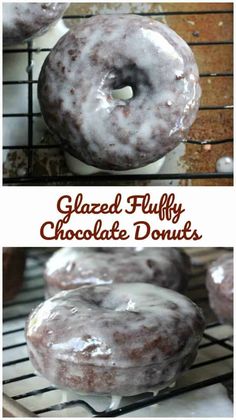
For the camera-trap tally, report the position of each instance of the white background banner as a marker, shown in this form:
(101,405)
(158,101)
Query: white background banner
(139,216)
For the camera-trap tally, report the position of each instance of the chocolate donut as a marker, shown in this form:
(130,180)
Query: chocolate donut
(80,103)
(23,21)
(220,287)
(70,268)
(13,270)
(120,339)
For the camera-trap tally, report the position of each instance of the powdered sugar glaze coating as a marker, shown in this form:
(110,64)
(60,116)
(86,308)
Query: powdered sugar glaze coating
(121,339)
(70,268)
(220,287)
(104,53)
(22,21)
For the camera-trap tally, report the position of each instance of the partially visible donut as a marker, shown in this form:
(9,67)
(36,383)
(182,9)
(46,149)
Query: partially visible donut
(70,268)
(13,270)
(220,287)
(78,95)
(23,21)
(121,339)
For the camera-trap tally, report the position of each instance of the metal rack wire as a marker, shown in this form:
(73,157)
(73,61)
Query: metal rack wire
(212,366)
(30,177)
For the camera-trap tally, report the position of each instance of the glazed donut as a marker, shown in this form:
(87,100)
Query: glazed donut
(220,287)
(13,270)
(70,268)
(23,21)
(120,339)
(110,129)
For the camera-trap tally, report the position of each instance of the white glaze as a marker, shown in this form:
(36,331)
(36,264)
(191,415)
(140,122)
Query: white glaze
(121,299)
(221,271)
(107,346)
(69,268)
(115,402)
(15,100)
(21,21)
(109,133)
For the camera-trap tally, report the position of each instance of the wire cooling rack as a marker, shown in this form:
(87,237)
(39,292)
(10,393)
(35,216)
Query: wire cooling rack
(36,396)
(30,178)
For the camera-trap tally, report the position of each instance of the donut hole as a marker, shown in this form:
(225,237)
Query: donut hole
(127,82)
(120,303)
(100,298)
(125,93)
